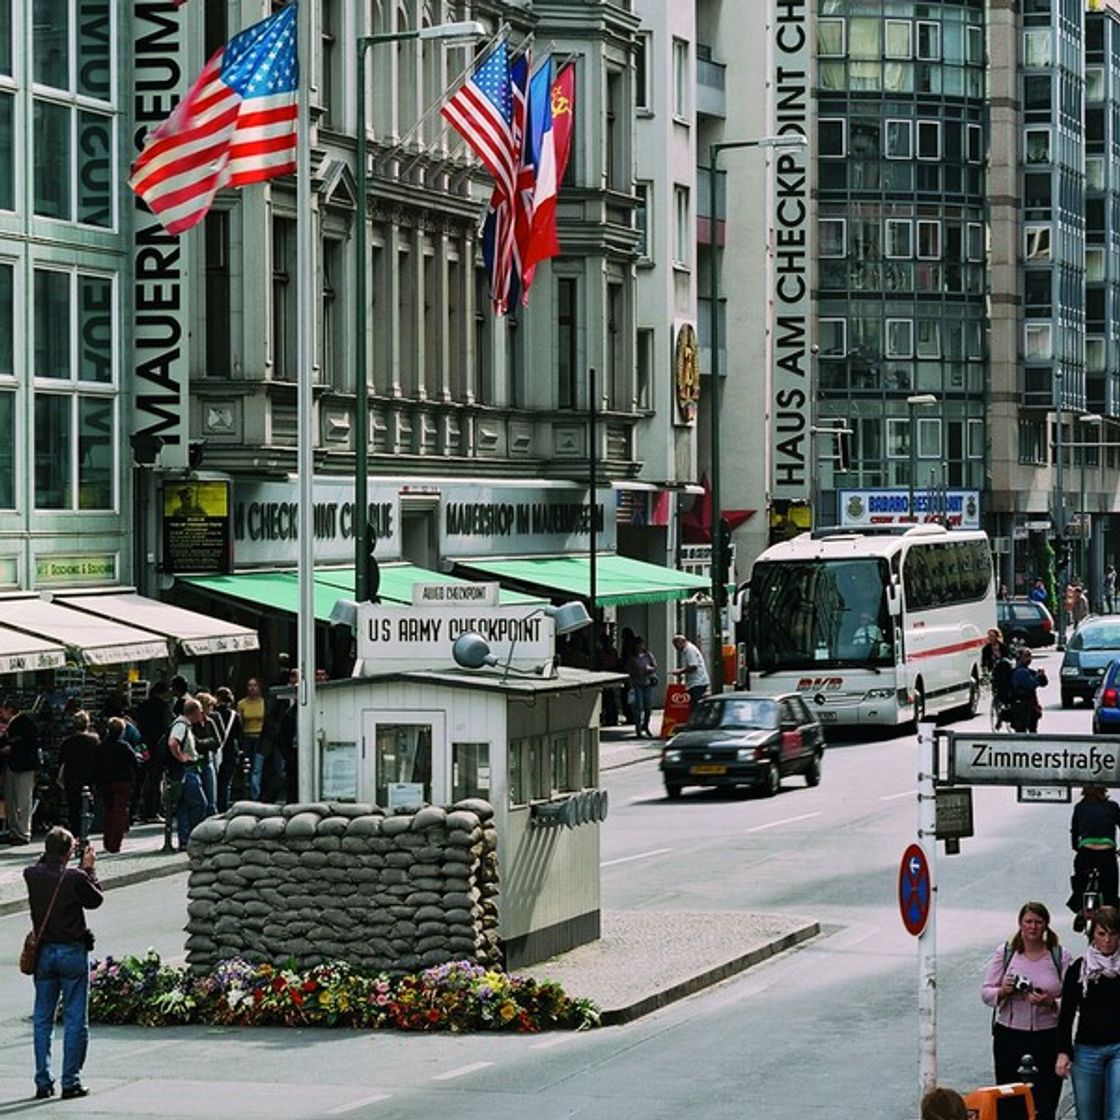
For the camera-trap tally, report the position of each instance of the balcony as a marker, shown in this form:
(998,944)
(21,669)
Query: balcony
(711,87)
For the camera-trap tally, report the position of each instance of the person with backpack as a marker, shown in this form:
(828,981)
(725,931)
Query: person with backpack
(1026,708)
(183,770)
(1092,834)
(1023,986)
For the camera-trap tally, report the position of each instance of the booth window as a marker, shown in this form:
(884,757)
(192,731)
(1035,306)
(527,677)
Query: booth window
(519,772)
(470,770)
(403,753)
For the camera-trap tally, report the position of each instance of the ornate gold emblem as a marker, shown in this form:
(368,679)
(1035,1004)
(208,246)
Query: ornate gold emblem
(687,371)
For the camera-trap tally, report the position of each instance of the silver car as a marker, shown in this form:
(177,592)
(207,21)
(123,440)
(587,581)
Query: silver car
(1092,646)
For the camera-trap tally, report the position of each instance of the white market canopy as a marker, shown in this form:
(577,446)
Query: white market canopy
(196,634)
(23,653)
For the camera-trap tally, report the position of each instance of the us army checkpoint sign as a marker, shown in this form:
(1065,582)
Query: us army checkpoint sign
(1034,760)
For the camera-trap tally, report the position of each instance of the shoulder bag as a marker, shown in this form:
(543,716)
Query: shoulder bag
(29,954)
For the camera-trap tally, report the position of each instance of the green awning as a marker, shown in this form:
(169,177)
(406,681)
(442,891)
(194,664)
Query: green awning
(619,580)
(280,590)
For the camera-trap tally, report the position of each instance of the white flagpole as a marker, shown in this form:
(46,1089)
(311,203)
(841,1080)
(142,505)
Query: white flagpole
(308,747)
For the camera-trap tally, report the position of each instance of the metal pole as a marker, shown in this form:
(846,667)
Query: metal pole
(1060,513)
(927,940)
(361,357)
(913,464)
(716,648)
(305,303)
(592,552)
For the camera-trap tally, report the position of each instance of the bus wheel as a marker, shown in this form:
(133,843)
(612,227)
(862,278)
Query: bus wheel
(919,705)
(973,705)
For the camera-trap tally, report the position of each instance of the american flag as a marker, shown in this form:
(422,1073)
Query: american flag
(481,111)
(237,125)
(506,223)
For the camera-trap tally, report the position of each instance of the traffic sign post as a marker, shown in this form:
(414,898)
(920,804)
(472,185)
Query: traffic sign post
(917,885)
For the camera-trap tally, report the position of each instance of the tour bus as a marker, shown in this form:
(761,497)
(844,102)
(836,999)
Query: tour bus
(872,628)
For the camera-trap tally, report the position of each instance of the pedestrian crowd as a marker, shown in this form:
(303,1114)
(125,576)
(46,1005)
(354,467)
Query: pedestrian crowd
(179,753)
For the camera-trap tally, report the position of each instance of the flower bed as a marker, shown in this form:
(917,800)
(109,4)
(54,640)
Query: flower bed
(458,996)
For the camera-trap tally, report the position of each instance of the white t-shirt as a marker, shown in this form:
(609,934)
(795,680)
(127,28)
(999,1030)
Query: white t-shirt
(183,734)
(692,659)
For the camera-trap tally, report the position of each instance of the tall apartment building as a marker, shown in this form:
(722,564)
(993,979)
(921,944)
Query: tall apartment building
(964,235)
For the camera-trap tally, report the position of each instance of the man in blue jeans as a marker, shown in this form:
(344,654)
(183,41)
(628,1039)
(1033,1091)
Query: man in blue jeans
(59,897)
(183,762)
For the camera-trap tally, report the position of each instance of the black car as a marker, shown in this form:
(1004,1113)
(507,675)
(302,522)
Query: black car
(1026,621)
(743,739)
(1093,645)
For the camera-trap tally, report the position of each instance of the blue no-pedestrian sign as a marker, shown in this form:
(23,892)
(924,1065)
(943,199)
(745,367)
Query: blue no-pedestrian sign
(914,892)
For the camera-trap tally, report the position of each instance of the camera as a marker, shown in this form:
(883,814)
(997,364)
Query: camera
(1021,985)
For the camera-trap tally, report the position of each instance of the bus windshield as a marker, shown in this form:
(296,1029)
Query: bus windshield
(820,614)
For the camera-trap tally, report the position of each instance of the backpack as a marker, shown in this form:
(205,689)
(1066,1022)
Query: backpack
(1001,679)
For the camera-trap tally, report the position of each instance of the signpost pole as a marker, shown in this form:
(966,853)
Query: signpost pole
(927,939)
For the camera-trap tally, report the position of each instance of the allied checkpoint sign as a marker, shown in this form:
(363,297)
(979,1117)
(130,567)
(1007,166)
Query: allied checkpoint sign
(405,639)
(1042,761)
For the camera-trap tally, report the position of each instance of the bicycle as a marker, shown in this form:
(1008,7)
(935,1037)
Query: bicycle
(999,711)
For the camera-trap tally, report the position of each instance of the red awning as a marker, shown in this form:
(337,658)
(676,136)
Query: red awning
(696,524)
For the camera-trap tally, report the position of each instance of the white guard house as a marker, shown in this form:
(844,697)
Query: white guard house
(457,700)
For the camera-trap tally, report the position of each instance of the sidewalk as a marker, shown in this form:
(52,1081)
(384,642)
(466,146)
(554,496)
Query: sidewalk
(643,960)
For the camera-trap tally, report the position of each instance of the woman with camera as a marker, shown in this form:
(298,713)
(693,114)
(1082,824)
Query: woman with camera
(1091,996)
(1023,986)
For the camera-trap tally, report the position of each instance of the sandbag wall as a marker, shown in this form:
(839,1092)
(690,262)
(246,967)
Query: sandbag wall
(333,881)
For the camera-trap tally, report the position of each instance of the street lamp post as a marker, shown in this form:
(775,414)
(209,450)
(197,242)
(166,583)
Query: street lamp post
(467,31)
(918,400)
(1060,508)
(1084,524)
(719,587)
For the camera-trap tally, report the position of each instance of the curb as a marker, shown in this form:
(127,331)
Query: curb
(617,1016)
(126,879)
(607,764)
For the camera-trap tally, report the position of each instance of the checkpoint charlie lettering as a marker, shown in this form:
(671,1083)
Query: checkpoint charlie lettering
(278,521)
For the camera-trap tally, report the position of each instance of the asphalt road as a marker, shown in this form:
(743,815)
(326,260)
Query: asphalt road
(828,1030)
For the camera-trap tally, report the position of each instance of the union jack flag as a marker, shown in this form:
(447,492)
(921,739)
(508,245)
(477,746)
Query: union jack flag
(237,125)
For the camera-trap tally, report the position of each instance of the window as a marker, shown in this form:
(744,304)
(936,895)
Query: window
(975,141)
(928,334)
(333,359)
(1094,264)
(1036,96)
(5,37)
(929,239)
(975,439)
(619,171)
(974,241)
(1039,342)
(7,152)
(217,325)
(830,136)
(929,437)
(641,219)
(1037,145)
(929,139)
(1094,173)
(1096,355)
(929,41)
(1094,83)
(643,342)
(830,38)
(330,65)
(681,83)
(832,337)
(682,233)
(900,338)
(1037,243)
(900,140)
(900,237)
(283,299)
(937,575)
(832,237)
(470,770)
(74,148)
(642,98)
(898,437)
(75,406)
(897,39)
(1037,51)
(402,753)
(567,324)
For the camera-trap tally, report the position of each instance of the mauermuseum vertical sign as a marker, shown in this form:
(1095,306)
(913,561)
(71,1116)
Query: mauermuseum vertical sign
(159,274)
(789,219)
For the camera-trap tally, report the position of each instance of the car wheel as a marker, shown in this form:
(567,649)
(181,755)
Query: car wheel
(773,780)
(813,774)
(1067,699)
(672,791)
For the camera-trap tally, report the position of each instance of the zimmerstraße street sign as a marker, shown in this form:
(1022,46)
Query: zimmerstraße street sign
(1034,760)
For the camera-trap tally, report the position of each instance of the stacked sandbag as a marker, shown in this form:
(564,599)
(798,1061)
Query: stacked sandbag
(338,881)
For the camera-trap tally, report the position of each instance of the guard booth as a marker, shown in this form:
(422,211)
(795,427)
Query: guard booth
(413,726)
